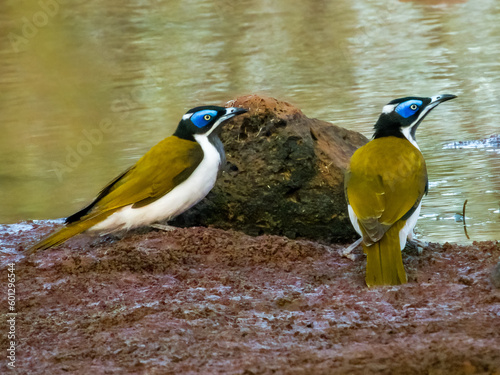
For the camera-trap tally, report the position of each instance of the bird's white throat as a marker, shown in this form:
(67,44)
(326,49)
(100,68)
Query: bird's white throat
(407,133)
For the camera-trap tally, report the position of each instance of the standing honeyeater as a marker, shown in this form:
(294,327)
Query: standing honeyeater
(384,186)
(170,178)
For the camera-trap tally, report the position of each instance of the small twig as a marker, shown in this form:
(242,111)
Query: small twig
(465,226)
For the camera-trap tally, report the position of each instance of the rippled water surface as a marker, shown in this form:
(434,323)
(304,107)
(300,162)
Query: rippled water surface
(87,87)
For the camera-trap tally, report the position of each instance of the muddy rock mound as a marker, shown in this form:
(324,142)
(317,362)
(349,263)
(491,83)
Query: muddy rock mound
(284,175)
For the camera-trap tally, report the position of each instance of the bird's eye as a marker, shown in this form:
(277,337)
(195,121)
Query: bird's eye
(413,107)
(207,117)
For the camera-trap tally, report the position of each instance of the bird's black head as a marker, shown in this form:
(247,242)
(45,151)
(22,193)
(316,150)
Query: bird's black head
(401,117)
(204,120)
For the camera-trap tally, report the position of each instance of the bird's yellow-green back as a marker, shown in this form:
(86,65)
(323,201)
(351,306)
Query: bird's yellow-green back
(384,186)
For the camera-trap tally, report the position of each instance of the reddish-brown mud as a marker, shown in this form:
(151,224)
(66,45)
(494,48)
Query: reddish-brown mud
(208,301)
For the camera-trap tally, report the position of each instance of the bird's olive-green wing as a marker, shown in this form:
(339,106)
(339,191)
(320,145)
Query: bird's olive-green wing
(387,179)
(162,168)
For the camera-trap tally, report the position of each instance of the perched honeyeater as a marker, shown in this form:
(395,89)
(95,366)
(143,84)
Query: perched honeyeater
(384,186)
(170,178)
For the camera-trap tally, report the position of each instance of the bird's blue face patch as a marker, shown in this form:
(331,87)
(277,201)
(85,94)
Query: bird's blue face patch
(203,118)
(408,108)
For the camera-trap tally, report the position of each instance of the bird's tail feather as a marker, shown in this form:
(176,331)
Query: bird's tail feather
(384,263)
(65,233)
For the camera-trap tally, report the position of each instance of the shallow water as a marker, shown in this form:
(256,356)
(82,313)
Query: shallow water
(87,87)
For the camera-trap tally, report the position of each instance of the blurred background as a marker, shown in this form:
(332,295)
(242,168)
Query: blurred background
(87,87)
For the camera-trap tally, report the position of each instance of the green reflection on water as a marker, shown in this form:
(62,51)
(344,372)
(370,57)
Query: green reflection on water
(133,69)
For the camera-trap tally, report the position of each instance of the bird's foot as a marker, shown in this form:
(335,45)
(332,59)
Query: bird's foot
(418,245)
(166,228)
(347,252)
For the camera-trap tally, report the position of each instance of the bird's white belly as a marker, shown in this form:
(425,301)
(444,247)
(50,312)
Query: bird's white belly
(354,220)
(179,199)
(405,233)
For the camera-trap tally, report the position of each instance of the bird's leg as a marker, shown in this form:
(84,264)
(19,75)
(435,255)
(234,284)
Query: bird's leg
(347,252)
(418,245)
(166,228)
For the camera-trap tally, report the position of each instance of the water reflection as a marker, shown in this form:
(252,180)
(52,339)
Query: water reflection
(98,83)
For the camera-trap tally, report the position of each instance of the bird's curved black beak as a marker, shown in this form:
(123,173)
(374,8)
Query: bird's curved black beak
(438,99)
(230,113)
(435,101)
(234,111)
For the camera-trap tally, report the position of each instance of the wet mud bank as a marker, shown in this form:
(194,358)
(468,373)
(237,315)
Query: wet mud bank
(209,301)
